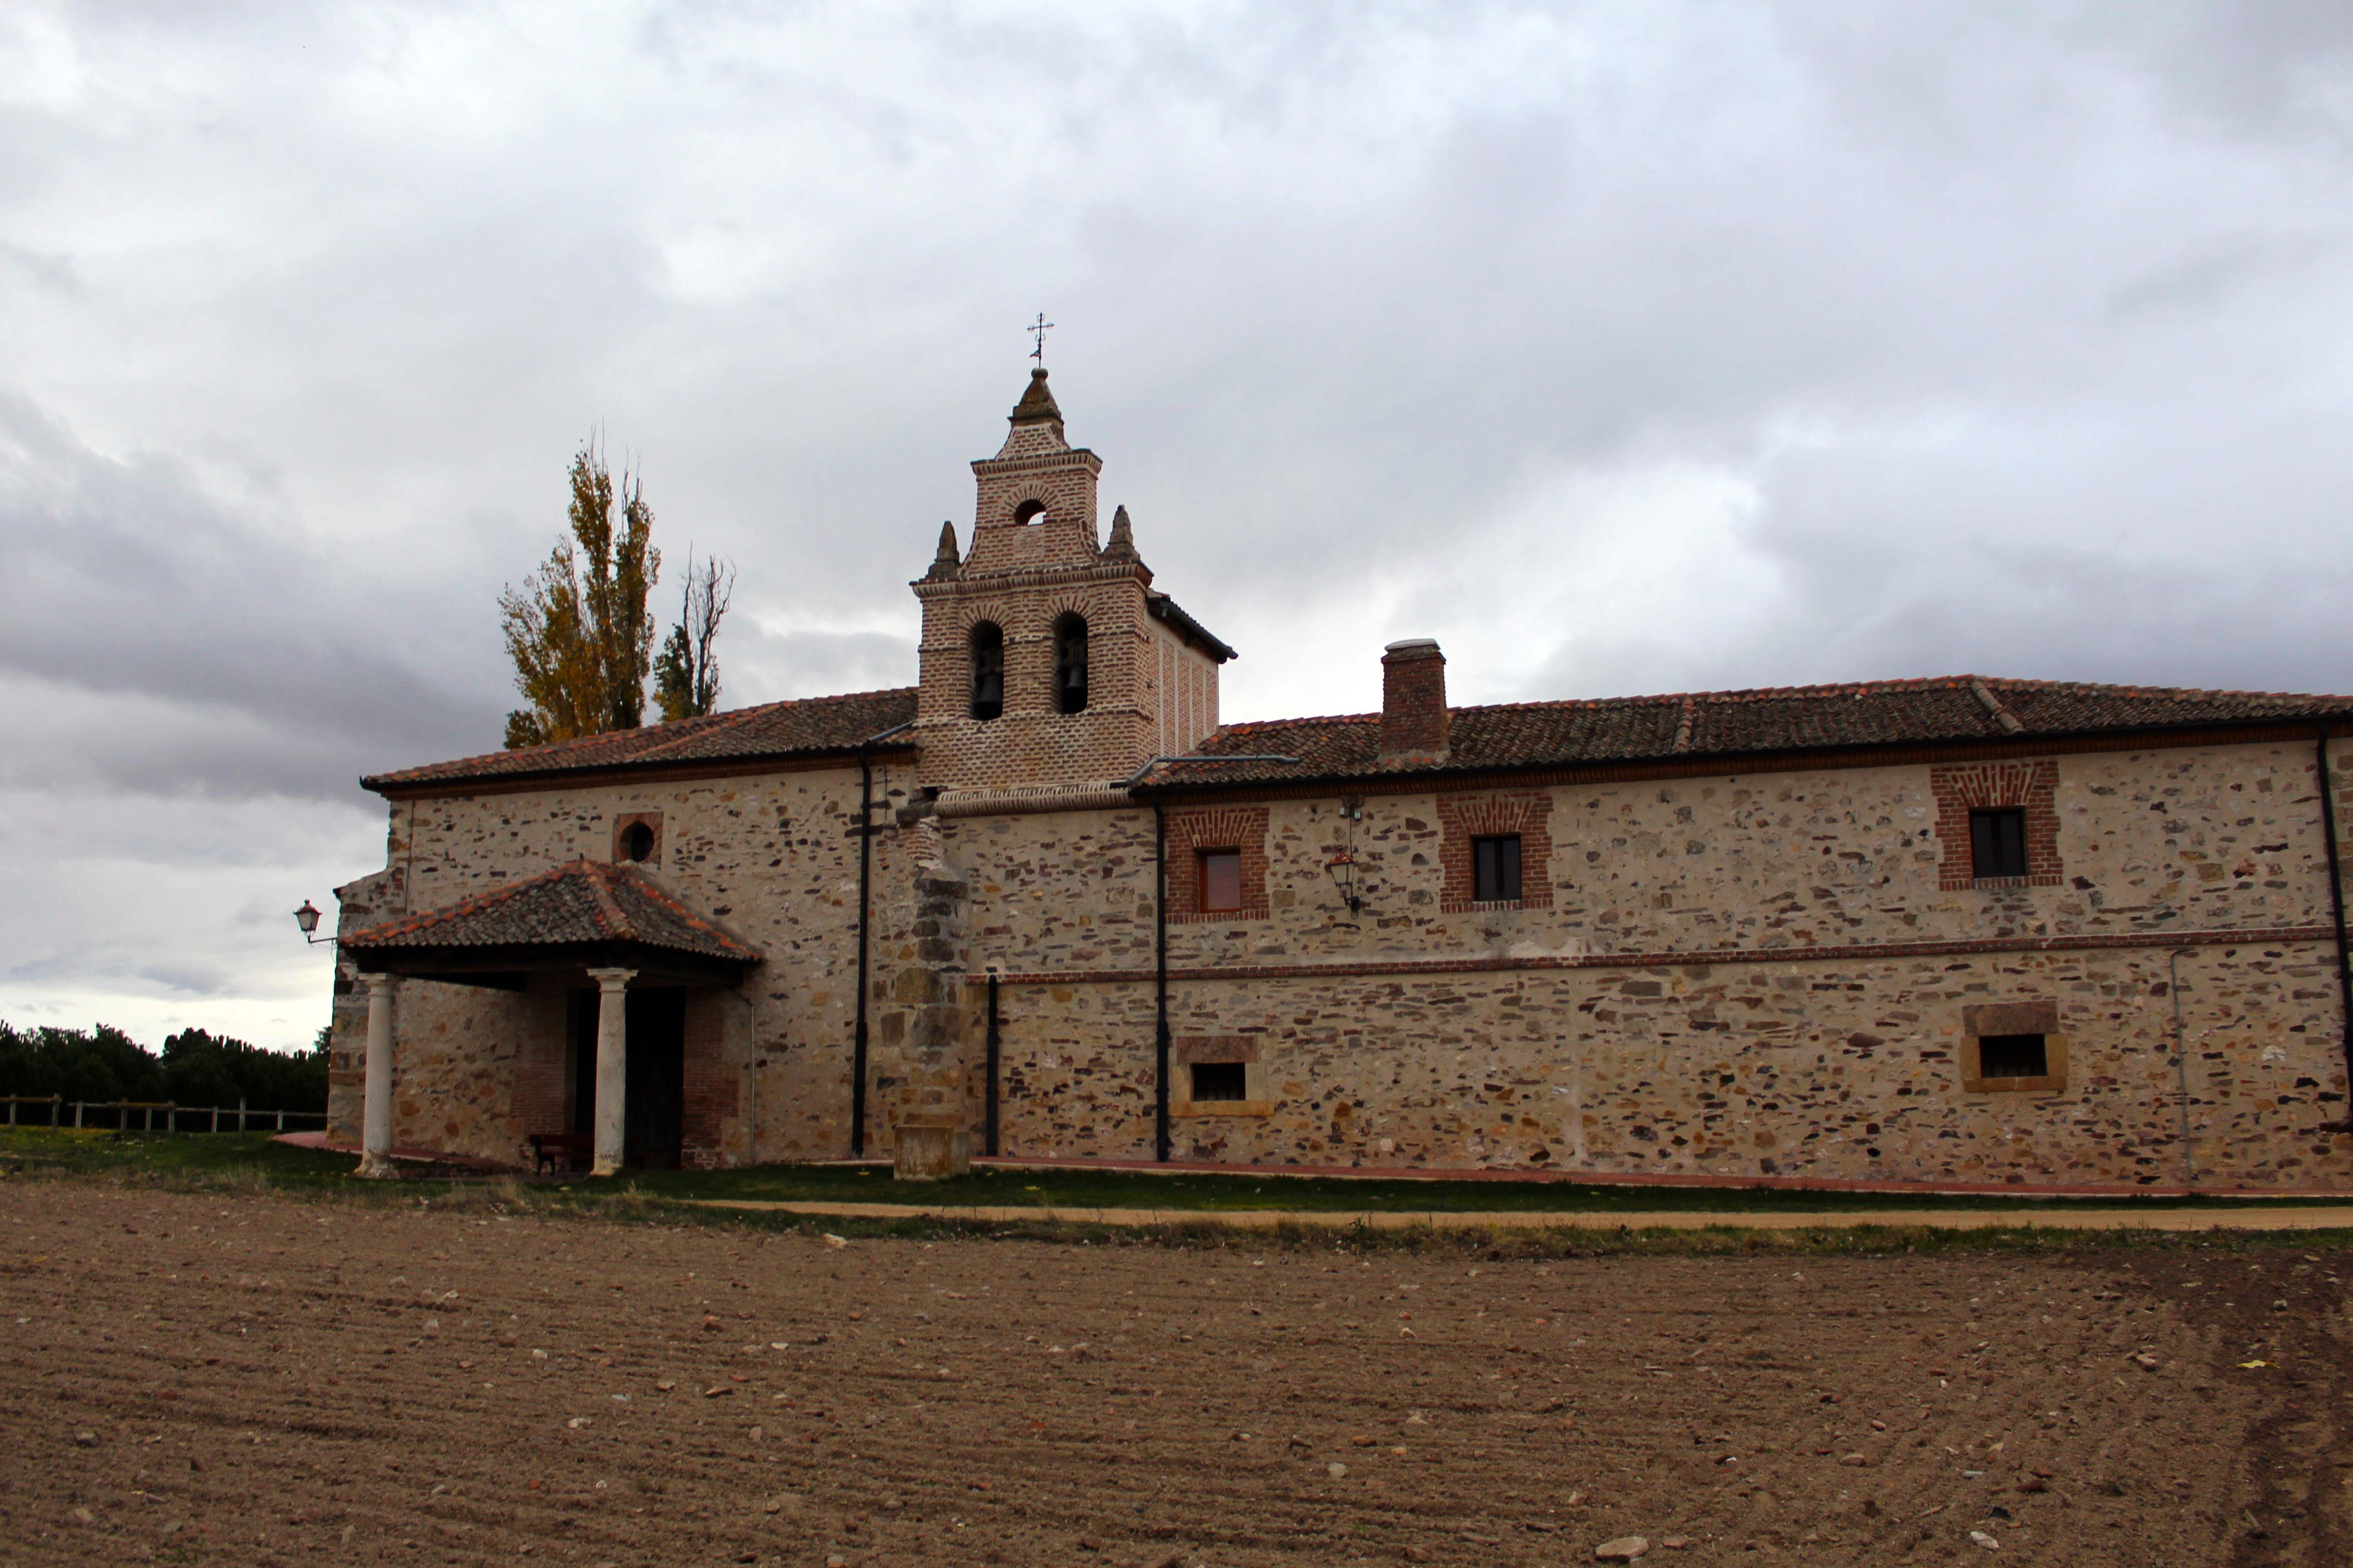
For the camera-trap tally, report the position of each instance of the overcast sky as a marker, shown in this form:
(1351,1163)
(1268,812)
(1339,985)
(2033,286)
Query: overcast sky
(1622,348)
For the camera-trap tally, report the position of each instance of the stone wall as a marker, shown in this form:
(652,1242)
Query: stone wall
(1756,974)
(774,856)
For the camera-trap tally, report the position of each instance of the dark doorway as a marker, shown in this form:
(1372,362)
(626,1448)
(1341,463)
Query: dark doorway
(654,1115)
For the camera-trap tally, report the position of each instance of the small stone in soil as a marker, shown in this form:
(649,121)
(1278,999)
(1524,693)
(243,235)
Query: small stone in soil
(1625,1549)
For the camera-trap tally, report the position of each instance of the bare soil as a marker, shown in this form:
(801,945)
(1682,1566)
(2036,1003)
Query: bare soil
(256,1379)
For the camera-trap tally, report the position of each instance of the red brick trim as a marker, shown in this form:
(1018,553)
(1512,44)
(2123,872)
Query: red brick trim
(712,1086)
(629,819)
(1462,817)
(2269,936)
(2033,786)
(1191,832)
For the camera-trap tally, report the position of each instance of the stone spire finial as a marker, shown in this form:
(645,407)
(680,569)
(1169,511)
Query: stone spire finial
(1122,539)
(945,561)
(1037,405)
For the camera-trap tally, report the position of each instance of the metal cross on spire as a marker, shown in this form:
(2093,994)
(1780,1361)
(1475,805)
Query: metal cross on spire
(1039,327)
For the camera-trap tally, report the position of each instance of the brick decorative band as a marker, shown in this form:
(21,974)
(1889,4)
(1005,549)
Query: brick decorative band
(1860,952)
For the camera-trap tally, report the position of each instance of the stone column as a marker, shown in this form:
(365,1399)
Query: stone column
(375,1113)
(932,1137)
(612,1065)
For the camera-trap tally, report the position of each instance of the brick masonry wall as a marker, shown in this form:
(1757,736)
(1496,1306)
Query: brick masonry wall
(1464,817)
(2033,786)
(1190,832)
(714,1080)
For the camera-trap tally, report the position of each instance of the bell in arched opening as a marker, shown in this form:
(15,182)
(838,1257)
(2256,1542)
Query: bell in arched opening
(1071,663)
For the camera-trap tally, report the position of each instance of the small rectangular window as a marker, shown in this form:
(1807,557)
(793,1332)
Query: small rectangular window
(1220,1080)
(1998,842)
(1495,869)
(2012,1056)
(1221,881)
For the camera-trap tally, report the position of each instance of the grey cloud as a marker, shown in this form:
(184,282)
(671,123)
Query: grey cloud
(183,647)
(2019,335)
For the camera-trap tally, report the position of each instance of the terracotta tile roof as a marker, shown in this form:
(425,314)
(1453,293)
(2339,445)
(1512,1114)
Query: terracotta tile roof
(1935,710)
(587,902)
(815,724)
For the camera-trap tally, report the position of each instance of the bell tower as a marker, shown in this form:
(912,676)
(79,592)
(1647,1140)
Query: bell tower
(1049,660)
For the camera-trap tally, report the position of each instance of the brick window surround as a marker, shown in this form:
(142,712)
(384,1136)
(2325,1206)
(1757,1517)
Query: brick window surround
(2012,1019)
(1463,817)
(629,819)
(2031,786)
(1240,828)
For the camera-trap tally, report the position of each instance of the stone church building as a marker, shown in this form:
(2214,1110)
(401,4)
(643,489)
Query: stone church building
(1044,904)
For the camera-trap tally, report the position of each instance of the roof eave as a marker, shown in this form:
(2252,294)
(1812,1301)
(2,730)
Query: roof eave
(1164,608)
(392,788)
(1749,760)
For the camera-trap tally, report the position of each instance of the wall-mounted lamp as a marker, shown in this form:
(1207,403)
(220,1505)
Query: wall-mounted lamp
(306,916)
(1341,866)
(1341,870)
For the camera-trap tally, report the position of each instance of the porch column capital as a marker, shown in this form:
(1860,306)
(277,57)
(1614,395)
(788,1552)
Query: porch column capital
(612,979)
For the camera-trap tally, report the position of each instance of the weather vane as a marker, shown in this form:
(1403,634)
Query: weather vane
(1041,327)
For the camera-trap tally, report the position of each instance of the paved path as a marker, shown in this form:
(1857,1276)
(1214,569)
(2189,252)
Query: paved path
(2339,1218)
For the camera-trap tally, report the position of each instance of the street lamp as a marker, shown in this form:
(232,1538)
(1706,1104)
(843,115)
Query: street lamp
(306,916)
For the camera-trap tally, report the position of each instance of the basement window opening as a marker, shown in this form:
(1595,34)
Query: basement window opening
(1220,1080)
(2013,1056)
(1221,881)
(1998,842)
(1495,869)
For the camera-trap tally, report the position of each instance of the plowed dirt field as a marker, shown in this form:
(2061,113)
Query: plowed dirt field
(256,1379)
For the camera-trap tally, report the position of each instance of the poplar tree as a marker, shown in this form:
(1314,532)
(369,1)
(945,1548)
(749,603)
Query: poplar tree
(577,628)
(686,676)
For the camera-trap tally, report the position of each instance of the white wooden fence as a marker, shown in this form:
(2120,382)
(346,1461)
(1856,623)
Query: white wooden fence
(121,1115)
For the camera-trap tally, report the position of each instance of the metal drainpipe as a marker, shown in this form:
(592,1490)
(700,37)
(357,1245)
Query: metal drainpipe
(1160,982)
(2337,908)
(994,1055)
(2181,1064)
(865,911)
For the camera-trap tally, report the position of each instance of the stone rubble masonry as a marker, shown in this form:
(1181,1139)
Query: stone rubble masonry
(1528,813)
(1565,1034)
(1191,833)
(1844,1063)
(772,854)
(1984,785)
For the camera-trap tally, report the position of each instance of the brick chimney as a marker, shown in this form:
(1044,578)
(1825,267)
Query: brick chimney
(1413,702)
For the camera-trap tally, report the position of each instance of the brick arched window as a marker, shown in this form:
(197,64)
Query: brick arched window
(988,658)
(1071,663)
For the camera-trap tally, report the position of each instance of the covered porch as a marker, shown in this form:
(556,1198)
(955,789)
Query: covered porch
(634,973)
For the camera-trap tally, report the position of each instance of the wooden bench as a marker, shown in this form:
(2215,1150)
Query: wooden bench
(554,1151)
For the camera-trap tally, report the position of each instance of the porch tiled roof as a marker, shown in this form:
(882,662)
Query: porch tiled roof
(771,730)
(585,902)
(1935,710)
